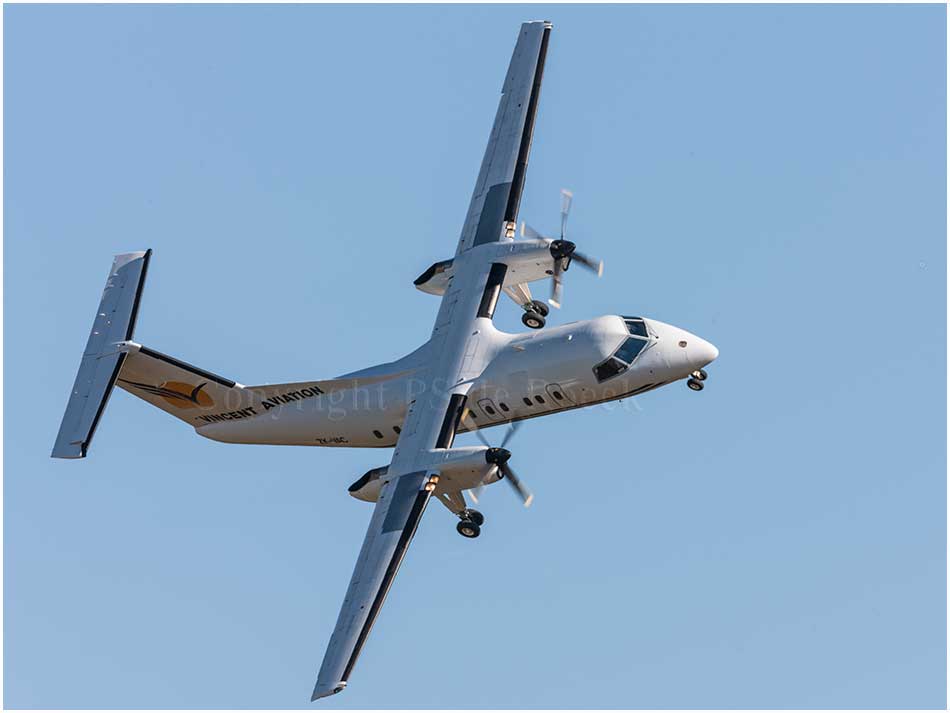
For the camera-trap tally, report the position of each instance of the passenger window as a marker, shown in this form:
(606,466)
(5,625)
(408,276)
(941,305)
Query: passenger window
(488,407)
(397,430)
(377,434)
(557,394)
(527,401)
(539,399)
(503,405)
(630,349)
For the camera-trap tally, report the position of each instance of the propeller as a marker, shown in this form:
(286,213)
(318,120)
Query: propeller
(499,457)
(563,251)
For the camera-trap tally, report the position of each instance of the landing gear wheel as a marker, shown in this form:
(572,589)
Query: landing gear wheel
(700,374)
(532,320)
(537,306)
(467,528)
(695,384)
(473,515)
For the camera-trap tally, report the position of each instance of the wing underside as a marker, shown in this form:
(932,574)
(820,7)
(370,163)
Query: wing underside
(393,524)
(493,211)
(433,416)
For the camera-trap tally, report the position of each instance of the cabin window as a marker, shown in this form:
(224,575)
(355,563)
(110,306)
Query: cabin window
(489,410)
(503,406)
(539,399)
(377,434)
(397,430)
(527,401)
(557,394)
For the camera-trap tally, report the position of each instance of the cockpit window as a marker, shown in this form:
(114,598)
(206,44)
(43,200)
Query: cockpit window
(609,368)
(630,349)
(621,359)
(636,326)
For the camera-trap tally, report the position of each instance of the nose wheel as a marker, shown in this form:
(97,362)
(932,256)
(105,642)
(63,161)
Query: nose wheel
(470,524)
(696,380)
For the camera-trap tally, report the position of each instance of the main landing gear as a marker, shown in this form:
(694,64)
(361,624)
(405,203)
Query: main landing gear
(471,523)
(534,314)
(696,380)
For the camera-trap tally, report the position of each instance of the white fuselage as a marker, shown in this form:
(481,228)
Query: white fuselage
(521,376)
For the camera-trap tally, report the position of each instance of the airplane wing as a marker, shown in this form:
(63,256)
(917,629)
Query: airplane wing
(493,212)
(397,514)
(434,415)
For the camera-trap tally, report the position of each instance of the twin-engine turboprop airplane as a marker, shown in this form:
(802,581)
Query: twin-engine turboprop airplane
(466,377)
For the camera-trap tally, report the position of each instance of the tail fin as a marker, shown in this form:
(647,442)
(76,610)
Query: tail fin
(187,392)
(103,357)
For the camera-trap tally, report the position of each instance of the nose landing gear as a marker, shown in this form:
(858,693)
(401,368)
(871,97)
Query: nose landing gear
(470,523)
(696,380)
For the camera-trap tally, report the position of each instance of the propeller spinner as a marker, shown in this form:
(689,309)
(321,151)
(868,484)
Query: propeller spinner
(499,456)
(563,251)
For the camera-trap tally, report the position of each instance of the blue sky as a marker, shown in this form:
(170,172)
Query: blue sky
(770,178)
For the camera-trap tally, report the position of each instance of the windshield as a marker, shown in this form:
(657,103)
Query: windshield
(621,359)
(636,326)
(630,349)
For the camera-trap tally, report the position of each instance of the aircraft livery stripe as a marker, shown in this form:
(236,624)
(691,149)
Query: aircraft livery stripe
(186,366)
(521,167)
(496,278)
(415,515)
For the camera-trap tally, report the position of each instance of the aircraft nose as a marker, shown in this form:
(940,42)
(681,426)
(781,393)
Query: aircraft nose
(701,352)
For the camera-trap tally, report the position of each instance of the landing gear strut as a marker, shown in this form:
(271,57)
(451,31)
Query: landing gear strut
(537,306)
(470,524)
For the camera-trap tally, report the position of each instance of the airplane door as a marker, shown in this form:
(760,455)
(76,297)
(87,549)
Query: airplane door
(558,395)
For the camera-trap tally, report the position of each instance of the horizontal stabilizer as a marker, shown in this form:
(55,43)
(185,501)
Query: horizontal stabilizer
(102,359)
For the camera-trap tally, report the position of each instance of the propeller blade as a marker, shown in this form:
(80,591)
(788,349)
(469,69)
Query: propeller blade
(566,199)
(590,263)
(526,496)
(482,438)
(476,492)
(528,232)
(511,431)
(556,285)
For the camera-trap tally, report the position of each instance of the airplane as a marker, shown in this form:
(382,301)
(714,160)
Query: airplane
(466,377)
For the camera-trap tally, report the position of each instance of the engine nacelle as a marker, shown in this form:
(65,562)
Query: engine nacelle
(458,469)
(367,488)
